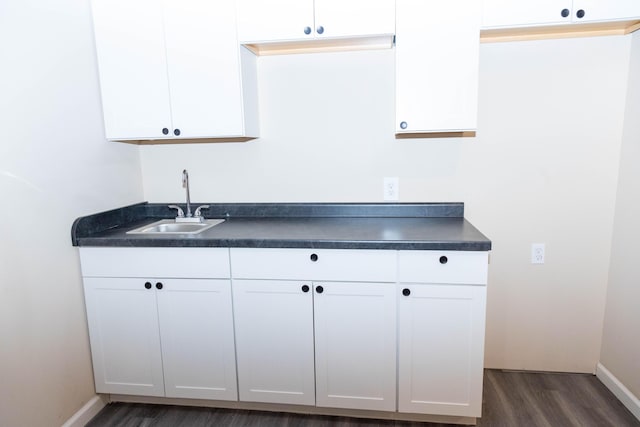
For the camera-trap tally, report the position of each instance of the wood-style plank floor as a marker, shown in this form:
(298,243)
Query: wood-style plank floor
(511,399)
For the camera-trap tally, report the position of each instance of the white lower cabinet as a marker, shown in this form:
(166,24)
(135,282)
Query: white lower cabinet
(411,341)
(162,337)
(355,339)
(274,341)
(440,348)
(125,336)
(355,335)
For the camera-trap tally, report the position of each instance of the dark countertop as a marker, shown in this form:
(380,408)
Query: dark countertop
(406,226)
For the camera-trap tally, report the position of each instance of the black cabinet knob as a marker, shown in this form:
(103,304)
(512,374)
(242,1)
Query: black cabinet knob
(403,125)
(307,30)
(147,285)
(313,257)
(165,131)
(564,13)
(176,132)
(406,292)
(443,259)
(305,288)
(159,285)
(320,29)
(319,289)
(580,13)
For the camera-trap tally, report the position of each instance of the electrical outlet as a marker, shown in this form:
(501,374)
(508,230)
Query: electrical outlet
(391,188)
(537,253)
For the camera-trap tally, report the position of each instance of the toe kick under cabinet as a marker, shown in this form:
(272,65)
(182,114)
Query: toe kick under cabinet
(350,329)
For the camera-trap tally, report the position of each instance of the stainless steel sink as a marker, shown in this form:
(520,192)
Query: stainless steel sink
(170,226)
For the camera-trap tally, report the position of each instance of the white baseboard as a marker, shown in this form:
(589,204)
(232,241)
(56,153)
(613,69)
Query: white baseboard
(625,396)
(87,412)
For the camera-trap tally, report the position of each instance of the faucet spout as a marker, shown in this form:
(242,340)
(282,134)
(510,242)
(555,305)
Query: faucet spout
(185,184)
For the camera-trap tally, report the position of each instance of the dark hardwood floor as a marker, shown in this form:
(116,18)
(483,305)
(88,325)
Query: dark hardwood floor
(511,399)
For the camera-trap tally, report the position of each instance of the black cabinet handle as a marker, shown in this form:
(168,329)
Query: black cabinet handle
(176,132)
(307,30)
(159,285)
(305,288)
(564,13)
(147,285)
(406,292)
(319,289)
(313,257)
(320,29)
(443,259)
(580,13)
(165,131)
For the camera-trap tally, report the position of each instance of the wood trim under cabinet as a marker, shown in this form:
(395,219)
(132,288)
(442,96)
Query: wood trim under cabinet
(498,35)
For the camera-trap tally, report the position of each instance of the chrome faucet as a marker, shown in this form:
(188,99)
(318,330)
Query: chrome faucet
(189,217)
(185,184)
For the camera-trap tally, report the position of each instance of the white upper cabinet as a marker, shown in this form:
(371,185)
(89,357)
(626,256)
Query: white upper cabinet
(173,69)
(437,50)
(132,64)
(605,10)
(292,20)
(504,13)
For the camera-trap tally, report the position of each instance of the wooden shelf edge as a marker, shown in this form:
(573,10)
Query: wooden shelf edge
(499,35)
(321,45)
(184,141)
(428,135)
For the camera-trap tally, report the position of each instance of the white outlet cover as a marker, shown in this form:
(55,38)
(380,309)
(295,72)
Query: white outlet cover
(391,188)
(537,253)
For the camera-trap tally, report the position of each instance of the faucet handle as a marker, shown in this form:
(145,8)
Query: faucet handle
(198,214)
(180,211)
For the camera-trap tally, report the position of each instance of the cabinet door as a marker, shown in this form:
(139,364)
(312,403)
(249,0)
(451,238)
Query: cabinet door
(124,334)
(606,10)
(508,13)
(441,349)
(196,328)
(274,341)
(355,335)
(344,18)
(437,48)
(204,68)
(274,20)
(129,37)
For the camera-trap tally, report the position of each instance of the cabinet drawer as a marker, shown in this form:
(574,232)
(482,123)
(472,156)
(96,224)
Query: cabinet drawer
(455,267)
(155,262)
(314,264)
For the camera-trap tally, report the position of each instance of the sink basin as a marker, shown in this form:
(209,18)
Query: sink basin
(169,226)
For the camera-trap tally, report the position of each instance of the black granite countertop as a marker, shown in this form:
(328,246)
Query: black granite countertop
(406,226)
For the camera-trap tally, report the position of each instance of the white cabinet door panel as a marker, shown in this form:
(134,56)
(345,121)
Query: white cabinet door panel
(196,328)
(454,267)
(274,341)
(437,50)
(509,13)
(440,349)
(129,38)
(606,10)
(204,67)
(273,20)
(330,264)
(124,334)
(155,262)
(345,18)
(355,335)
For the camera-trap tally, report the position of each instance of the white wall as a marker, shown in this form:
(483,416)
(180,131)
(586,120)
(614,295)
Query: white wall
(543,168)
(621,338)
(54,166)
